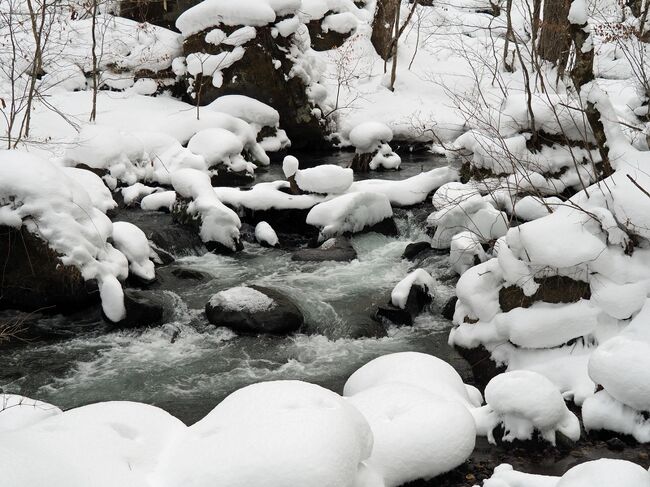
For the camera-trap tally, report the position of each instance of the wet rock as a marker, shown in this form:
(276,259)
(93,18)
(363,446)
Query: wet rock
(337,249)
(143,309)
(35,278)
(189,274)
(414,250)
(367,329)
(418,298)
(449,308)
(233,179)
(289,225)
(169,238)
(283,317)
(483,367)
(616,444)
(386,227)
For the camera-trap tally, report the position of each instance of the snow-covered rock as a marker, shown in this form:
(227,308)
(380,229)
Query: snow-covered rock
(525,402)
(274,434)
(419,277)
(17,412)
(351,212)
(133,243)
(265,234)
(38,195)
(217,222)
(417,434)
(323,179)
(416,369)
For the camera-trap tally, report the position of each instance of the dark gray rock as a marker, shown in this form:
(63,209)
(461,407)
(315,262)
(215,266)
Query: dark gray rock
(337,249)
(415,249)
(143,309)
(418,298)
(282,318)
(189,274)
(449,308)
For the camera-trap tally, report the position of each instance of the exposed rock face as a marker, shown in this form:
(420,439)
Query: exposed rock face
(554,289)
(382,27)
(33,276)
(273,314)
(416,249)
(264,72)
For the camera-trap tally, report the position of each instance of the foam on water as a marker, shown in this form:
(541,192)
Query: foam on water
(187,366)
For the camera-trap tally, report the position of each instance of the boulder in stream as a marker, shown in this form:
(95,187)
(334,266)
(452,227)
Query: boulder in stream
(254,310)
(337,249)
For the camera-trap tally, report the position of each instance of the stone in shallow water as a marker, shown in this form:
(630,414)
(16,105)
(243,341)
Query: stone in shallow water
(254,310)
(337,249)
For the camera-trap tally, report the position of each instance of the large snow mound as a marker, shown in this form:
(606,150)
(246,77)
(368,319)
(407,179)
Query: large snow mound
(276,434)
(414,368)
(417,434)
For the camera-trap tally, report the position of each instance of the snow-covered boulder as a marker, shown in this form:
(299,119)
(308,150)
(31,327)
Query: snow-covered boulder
(466,251)
(17,412)
(372,150)
(408,298)
(254,309)
(276,434)
(416,369)
(604,472)
(352,213)
(417,434)
(323,179)
(460,207)
(329,22)
(114,443)
(265,235)
(263,118)
(258,49)
(218,225)
(525,402)
(220,147)
(62,235)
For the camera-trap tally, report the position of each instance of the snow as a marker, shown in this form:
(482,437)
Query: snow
(158,201)
(417,434)
(242,298)
(409,191)
(419,277)
(602,412)
(369,136)
(99,194)
(135,192)
(212,13)
(578,12)
(248,109)
(133,243)
(275,434)
(465,249)
(605,472)
(525,402)
(218,223)
(114,443)
(460,207)
(264,196)
(323,179)
(385,158)
(220,146)
(37,194)
(350,212)
(264,233)
(17,412)
(412,368)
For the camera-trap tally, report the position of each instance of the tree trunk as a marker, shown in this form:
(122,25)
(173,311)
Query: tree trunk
(581,74)
(555,39)
(382,27)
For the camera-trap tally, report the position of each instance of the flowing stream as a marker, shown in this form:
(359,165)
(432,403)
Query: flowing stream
(187,365)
